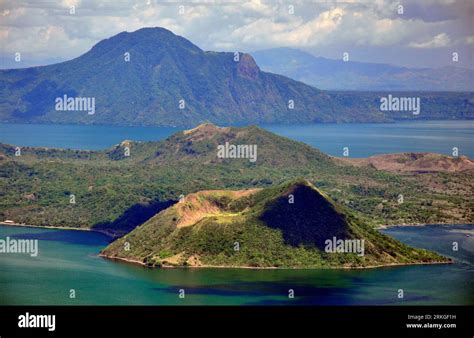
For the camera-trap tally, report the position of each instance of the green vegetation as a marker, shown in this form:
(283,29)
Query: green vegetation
(112,191)
(266,229)
(165,69)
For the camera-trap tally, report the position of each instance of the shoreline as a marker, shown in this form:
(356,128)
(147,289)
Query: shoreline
(386,226)
(53,227)
(140,263)
(377,227)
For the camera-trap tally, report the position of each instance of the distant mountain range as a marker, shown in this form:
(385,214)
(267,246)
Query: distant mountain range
(330,74)
(154,77)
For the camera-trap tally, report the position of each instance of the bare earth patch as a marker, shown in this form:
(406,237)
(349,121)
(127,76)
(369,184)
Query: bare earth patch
(195,207)
(204,132)
(412,162)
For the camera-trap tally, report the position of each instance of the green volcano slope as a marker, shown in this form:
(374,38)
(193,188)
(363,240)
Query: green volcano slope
(260,228)
(169,81)
(114,193)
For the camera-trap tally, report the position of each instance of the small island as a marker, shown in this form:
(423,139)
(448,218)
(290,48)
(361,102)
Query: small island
(292,225)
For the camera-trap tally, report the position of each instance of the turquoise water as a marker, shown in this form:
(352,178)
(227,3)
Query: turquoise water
(371,139)
(68,260)
(78,136)
(361,139)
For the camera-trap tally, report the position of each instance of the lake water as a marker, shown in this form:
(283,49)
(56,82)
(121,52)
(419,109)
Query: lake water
(362,139)
(68,260)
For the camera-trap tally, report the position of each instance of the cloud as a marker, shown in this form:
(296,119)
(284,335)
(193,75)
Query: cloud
(438,41)
(44,29)
(469,40)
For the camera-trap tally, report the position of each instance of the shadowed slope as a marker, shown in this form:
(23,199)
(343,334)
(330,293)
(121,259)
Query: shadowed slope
(107,183)
(259,229)
(309,222)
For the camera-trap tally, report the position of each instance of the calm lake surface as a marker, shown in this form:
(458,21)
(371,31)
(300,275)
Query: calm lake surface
(362,139)
(68,260)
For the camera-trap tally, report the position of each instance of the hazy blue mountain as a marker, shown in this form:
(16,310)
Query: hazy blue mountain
(165,69)
(339,75)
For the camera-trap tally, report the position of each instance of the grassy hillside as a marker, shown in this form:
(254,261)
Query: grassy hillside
(113,191)
(259,228)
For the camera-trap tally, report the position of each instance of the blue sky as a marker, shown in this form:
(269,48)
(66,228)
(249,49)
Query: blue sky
(424,35)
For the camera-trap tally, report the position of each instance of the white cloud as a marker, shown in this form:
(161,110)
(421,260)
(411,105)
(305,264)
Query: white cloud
(469,40)
(438,41)
(45,28)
